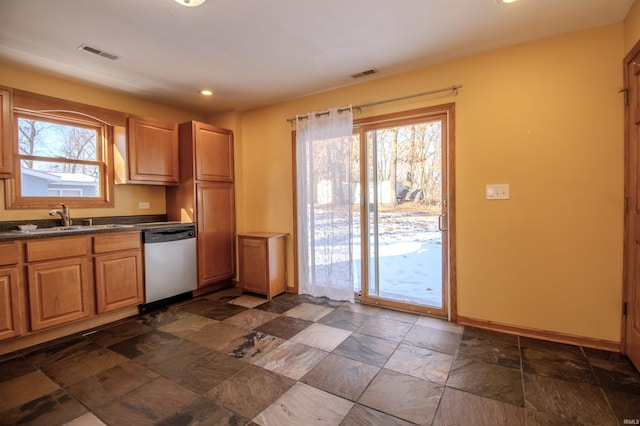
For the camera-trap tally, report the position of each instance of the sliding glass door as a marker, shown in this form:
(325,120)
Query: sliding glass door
(404,212)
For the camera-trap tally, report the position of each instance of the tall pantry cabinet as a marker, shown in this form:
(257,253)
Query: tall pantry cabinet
(206,195)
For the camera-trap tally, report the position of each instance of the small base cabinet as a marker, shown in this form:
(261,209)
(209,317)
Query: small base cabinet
(262,258)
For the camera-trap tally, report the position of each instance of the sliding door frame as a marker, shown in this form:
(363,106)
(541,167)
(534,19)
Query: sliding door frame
(446,113)
(400,118)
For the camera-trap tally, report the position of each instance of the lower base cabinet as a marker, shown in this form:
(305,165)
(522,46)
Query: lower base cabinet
(74,278)
(262,258)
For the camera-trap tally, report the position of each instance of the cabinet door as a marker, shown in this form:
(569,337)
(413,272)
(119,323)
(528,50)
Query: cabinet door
(118,280)
(216,229)
(6,135)
(214,153)
(253,264)
(9,303)
(152,151)
(59,292)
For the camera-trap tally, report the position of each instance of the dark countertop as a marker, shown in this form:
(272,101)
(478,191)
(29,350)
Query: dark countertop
(9,230)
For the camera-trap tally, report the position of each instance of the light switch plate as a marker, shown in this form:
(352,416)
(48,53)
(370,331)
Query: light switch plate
(143,205)
(497,192)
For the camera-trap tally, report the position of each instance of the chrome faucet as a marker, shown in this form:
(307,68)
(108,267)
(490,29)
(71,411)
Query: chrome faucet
(64,214)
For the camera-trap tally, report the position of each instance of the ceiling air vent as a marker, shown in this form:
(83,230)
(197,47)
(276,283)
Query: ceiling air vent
(98,52)
(364,73)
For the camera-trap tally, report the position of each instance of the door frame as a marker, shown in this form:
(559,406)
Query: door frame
(448,155)
(628,175)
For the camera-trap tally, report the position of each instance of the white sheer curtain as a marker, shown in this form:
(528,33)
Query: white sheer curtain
(323,174)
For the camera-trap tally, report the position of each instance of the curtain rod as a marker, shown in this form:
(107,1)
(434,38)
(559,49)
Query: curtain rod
(453,88)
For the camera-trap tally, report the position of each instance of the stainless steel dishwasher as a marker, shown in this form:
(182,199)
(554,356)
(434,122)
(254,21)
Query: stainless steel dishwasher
(170,268)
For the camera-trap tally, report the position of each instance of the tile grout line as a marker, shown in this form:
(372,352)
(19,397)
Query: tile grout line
(524,395)
(444,387)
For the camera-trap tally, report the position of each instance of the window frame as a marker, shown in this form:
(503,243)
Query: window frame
(104,161)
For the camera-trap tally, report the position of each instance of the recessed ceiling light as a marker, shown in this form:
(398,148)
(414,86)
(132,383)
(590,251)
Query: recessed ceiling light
(206,92)
(190,2)
(502,2)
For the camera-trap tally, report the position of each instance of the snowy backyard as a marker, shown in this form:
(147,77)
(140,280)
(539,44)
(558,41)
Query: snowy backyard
(410,256)
(410,253)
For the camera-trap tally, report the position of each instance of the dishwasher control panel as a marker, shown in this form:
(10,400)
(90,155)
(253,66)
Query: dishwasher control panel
(167,234)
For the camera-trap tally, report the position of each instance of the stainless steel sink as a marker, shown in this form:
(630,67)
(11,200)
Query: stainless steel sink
(53,230)
(110,225)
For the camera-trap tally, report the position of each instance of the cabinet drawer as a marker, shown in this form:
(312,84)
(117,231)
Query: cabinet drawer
(9,253)
(56,248)
(116,242)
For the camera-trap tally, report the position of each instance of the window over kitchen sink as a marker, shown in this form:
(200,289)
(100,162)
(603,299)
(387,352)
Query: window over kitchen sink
(60,157)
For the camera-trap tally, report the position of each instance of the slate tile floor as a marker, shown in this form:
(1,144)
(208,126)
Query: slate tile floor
(300,360)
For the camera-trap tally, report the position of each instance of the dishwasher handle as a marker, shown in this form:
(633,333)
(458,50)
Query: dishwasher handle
(167,235)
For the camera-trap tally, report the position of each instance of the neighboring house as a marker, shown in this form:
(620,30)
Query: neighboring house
(49,184)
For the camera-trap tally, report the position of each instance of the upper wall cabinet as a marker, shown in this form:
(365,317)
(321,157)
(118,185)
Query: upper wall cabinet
(151,152)
(213,151)
(6,134)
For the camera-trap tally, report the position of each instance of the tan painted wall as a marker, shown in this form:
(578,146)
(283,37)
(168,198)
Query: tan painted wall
(126,197)
(632,27)
(544,117)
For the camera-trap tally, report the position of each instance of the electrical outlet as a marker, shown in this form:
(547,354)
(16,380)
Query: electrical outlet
(497,192)
(143,205)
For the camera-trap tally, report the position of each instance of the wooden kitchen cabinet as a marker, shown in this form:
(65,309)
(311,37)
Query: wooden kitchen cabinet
(214,153)
(59,283)
(152,152)
(206,196)
(216,229)
(10,300)
(118,271)
(262,263)
(6,134)
(210,151)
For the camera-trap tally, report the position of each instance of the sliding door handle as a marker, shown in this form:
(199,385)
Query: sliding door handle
(443,222)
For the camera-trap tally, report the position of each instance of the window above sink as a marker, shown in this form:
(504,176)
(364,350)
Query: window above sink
(59,158)
(62,152)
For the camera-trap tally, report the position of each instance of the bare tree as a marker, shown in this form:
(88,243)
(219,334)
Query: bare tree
(78,144)
(29,133)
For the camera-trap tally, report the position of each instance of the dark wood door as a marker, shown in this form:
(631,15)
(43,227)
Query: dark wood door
(632,293)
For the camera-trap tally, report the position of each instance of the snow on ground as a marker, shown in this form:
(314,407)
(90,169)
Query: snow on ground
(410,255)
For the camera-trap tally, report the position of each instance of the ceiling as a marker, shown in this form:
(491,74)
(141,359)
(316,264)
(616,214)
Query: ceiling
(258,52)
